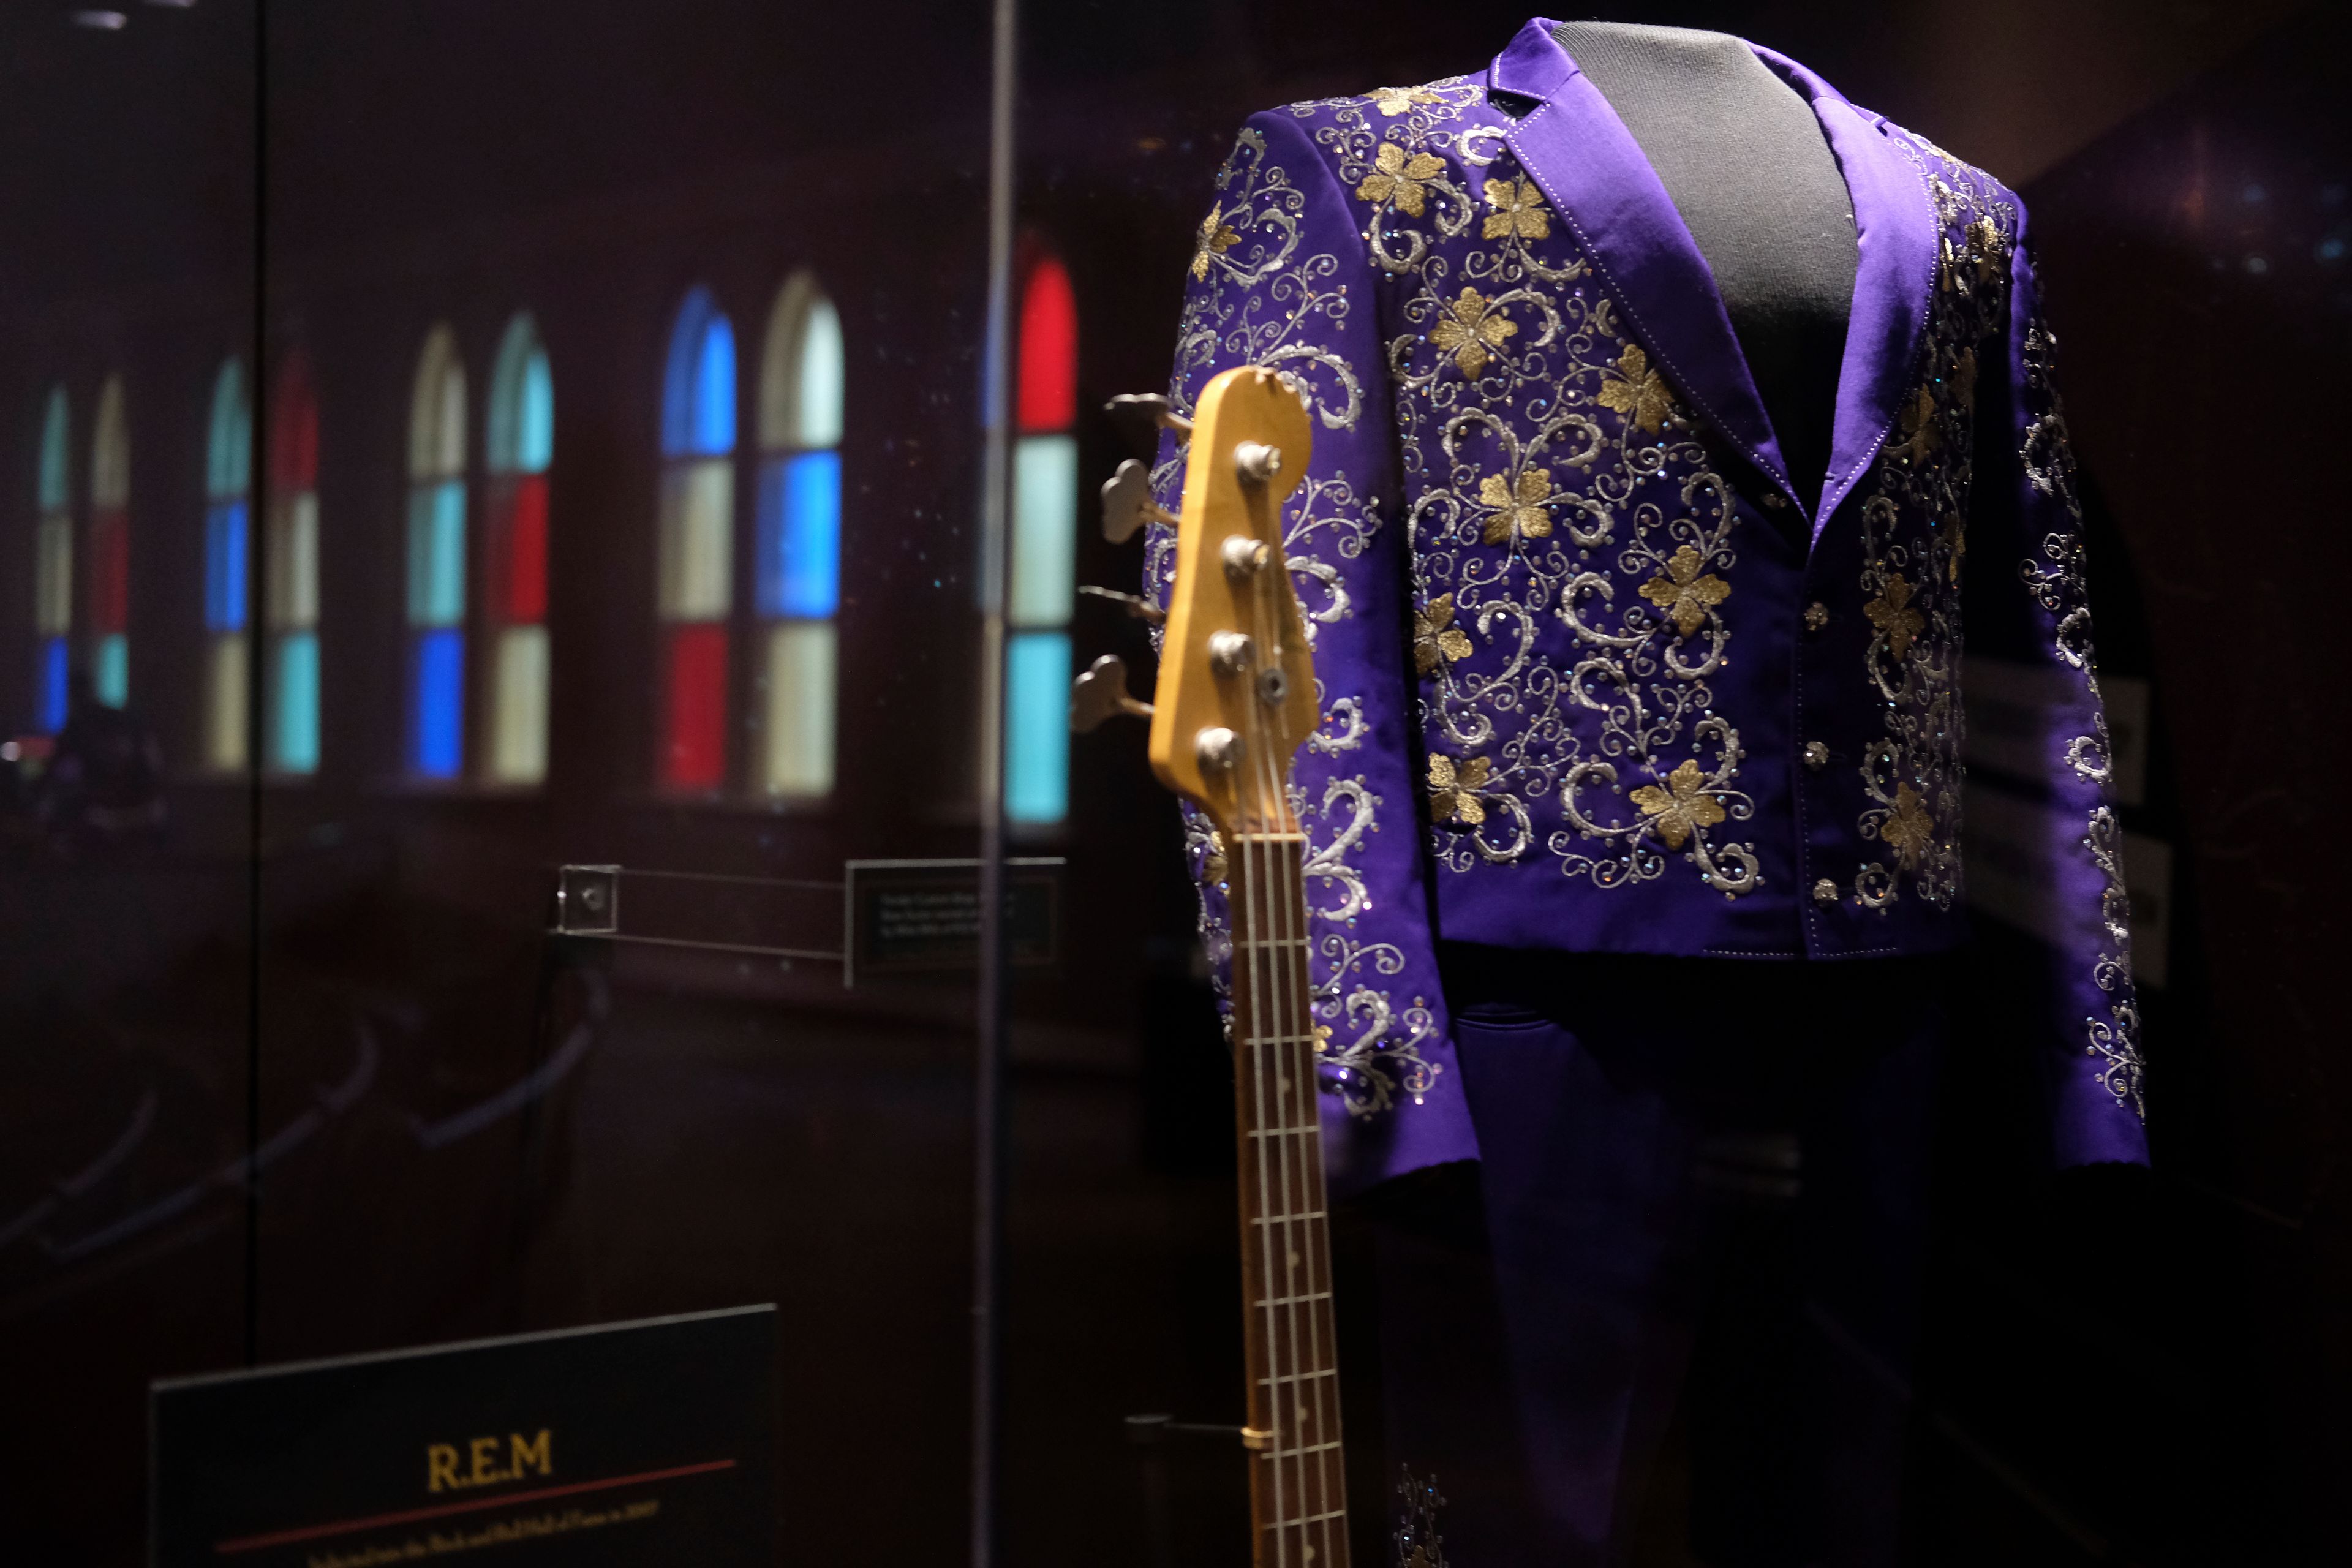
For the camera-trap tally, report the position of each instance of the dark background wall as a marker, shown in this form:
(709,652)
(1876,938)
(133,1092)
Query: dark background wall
(2121,1370)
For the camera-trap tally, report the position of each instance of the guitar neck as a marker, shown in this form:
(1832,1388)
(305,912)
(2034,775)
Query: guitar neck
(1297,1491)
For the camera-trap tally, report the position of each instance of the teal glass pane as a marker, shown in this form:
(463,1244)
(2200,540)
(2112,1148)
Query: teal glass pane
(1037,727)
(1044,530)
(536,423)
(294,704)
(111,670)
(228,449)
(53,435)
(437,553)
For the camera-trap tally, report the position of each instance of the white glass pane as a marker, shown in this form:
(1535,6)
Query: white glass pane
(53,577)
(519,707)
(698,539)
(799,730)
(109,479)
(817,394)
(225,706)
(294,564)
(1044,530)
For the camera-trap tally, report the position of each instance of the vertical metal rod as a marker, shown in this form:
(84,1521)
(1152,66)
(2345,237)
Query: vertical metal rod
(989,1130)
(259,406)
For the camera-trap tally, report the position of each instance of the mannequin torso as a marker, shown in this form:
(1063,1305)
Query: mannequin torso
(1745,162)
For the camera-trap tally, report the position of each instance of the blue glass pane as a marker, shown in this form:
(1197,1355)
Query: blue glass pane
(225,566)
(110,675)
(1037,727)
(800,535)
(714,389)
(699,384)
(537,446)
(51,677)
(294,708)
(436,737)
(437,553)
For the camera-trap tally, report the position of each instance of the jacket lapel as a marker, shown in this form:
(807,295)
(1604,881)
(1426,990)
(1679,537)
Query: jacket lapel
(1575,148)
(1893,282)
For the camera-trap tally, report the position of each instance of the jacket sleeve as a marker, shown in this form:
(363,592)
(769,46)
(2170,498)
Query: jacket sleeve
(2033,608)
(1280,277)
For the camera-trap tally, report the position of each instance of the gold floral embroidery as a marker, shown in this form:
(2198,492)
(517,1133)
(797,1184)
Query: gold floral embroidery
(1399,180)
(1682,595)
(1956,527)
(1392,102)
(1891,613)
(1682,807)
(1991,254)
(1963,378)
(1470,328)
(1217,236)
(1637,392)
(1922,436)
(1520,509)
(1909,830)
(1213,864)
(1518,210)
(1453,792)
(1435,639)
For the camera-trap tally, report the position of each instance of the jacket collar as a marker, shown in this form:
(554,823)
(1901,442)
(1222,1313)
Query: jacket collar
(1575,148)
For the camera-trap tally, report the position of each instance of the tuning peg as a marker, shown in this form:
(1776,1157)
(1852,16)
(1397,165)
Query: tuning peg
(1127,503)
(1101,693)
(1141,416)
(1142,609)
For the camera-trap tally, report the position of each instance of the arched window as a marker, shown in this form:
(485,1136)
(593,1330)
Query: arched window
(522,445)
(799,587)
(695,574)
(228,487)
(1044,547)
(110,549)
(53,566)
(291,743)
(437,560)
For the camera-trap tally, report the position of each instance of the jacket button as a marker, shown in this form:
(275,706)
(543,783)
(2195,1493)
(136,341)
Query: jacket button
(1817,756)
(1825,892)
(1817,615)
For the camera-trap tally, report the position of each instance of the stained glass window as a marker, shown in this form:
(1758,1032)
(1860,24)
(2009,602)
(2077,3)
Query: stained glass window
(109,556)
(437,560)
(695,573)
(53,566)
(290,609)
(1044,545)
(522,445)
(799,561)
(228,487)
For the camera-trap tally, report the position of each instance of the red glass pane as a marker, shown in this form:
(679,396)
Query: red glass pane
(694,751)
(110,573)
(1048,396)
(294,431)
(520,591)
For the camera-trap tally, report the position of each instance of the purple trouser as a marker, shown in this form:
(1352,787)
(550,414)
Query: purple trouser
(1701,1194)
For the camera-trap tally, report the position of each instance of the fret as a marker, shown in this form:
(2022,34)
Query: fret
(1282,1377)
(1278,1039)
(1281,1453)
(1271,942)
(1309,1518)
(1286,1132)
(1293,1301)
(1287,1218)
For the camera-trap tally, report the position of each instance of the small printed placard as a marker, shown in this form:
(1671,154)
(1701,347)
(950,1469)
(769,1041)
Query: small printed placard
(626,1443)
(909,916)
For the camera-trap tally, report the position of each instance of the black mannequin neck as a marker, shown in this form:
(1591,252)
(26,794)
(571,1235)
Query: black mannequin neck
(1744,159)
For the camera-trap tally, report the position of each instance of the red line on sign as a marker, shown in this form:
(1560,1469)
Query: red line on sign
(476,1505)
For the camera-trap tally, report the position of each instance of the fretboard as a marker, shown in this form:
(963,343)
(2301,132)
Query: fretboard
(1297,1493)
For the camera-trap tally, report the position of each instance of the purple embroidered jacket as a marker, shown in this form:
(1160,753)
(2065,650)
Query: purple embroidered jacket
(1592,677)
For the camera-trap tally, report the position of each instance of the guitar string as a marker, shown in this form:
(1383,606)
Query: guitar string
(1282,888)
(1259,894)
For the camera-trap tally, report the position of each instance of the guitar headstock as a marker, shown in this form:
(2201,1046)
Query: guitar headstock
(1237,691)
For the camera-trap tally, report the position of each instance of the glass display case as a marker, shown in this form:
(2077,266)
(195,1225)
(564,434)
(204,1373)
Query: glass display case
(545,551)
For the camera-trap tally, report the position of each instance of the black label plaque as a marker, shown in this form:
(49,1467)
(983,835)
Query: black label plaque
(626,1443)
(910,916)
